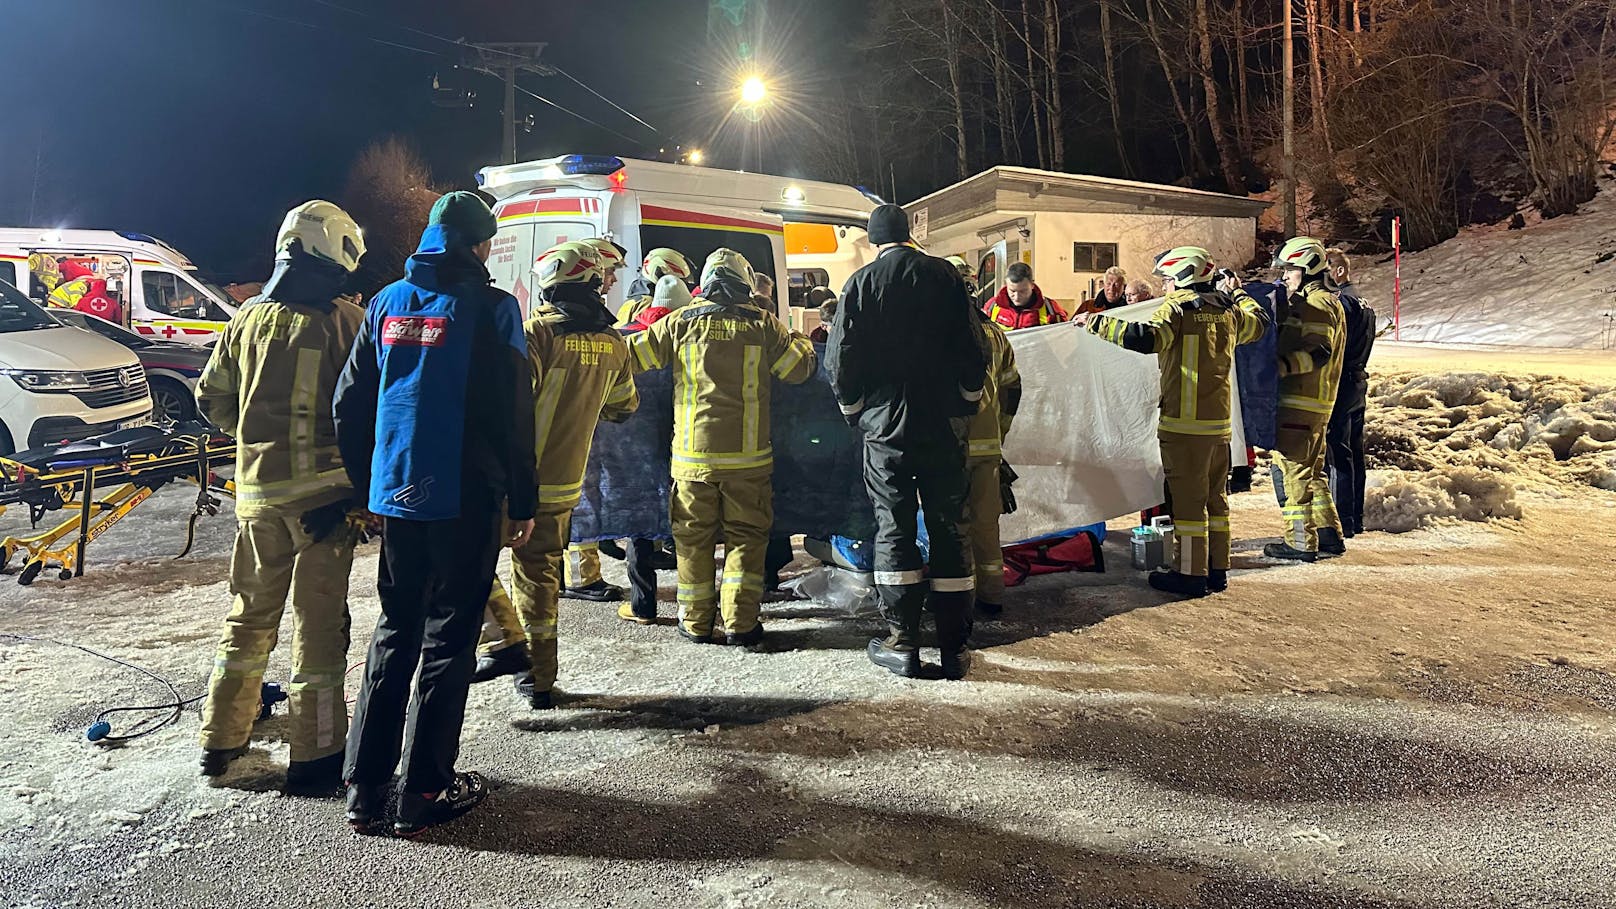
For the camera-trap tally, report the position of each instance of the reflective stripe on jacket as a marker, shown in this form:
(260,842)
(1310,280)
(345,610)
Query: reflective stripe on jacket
(269,384)
(1001,397)
(1193,335)
(1312,342)
(723,357)
(579,378)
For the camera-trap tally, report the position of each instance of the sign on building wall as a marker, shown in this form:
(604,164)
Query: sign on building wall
(917,230)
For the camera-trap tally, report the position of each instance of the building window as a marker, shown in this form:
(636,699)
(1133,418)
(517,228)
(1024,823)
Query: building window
(1093,257)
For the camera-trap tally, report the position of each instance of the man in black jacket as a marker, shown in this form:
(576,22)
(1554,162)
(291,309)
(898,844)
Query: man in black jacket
(1344,436)
(908,364)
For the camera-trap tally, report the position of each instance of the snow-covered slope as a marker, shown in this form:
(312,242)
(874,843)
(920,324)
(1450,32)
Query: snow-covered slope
(1543,286)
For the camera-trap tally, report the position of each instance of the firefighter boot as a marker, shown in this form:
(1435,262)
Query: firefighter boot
(505,661)
(1217,580)
(898,662)
(952,613)
(901,606)
(1287,552)
(1330,542)
(316,778)
(1183,585)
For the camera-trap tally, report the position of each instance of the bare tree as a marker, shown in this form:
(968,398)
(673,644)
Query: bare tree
(1228,153)
(389,192)
(1108,47)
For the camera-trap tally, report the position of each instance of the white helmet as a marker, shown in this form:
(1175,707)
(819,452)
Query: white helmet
(325,232)
(567,263)
(664,261)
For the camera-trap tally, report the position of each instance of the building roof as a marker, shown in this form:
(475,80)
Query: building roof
(1024,189)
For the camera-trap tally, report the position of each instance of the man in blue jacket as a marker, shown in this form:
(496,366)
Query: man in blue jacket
(434,418)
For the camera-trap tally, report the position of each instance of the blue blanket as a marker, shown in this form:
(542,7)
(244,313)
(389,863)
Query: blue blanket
(1257,365)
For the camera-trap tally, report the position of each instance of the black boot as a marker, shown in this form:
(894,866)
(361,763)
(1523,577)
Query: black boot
(366,805)
(1182,585)
(315,779)
(694,638)
(1284,551)
(1217,580)
(898,662)
(1330,542)
(991,610)
(956,663)
(505,661)
(215,761)
(748,639)
(417,811)
(598,592)
(537,700)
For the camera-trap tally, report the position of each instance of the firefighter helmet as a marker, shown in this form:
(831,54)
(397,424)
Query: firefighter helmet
(567,263)
(964,268)
(664,261)
(325,232)
(1185,265)
(609,255)
(1304,253)
(727,265)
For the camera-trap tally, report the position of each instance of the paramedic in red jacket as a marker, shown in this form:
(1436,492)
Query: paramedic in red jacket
(1020,304)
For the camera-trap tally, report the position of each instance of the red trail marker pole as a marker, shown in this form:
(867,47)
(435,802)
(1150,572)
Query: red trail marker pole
(1397,279)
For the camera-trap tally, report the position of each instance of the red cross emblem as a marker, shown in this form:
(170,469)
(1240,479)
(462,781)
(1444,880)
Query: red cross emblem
(169,332)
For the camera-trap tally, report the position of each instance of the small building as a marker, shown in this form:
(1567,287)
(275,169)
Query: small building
(1070,228)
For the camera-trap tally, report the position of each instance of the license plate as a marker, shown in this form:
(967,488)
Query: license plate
(138,421)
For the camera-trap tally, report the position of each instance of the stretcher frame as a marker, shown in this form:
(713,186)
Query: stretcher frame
(73,481)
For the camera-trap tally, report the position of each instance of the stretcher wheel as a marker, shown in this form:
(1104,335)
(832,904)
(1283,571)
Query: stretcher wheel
(29,572)
(64,575)
(5,557)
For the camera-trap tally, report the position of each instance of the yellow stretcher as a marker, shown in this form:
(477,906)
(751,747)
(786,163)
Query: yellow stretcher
(101,480)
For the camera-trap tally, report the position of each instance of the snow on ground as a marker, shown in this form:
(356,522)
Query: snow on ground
(1551,284)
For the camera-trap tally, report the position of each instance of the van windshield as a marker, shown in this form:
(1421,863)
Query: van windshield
(18,313)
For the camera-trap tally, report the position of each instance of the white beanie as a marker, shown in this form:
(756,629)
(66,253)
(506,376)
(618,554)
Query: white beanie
(671,293)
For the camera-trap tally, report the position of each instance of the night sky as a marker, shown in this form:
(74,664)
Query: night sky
(201,123)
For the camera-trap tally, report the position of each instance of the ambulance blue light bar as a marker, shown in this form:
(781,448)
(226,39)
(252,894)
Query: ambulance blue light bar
(590,165)
(866,193)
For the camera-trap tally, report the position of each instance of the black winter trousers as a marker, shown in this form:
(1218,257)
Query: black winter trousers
(434,580)
(638,559)
(905,481)
(1348,472)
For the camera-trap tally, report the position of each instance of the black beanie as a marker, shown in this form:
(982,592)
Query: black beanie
(888,224)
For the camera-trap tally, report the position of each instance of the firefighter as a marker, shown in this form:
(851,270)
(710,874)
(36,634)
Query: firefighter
(659,263)
(74,282)
(966,271)
(269,383)
(1020,303)
(723,352)
(908,364)
(581,375)
(1001,398)
(1193,335)
(1312,338)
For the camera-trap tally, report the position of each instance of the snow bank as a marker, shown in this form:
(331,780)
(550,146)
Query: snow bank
(1551,284)
(1404,502)
(1460,445)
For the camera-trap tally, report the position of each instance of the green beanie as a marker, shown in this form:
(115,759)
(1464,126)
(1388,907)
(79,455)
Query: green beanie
(467,214)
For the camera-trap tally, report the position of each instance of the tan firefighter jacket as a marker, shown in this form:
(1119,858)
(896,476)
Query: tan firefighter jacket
(1001,396)
(579,379)
(1193,336)
(1312,342)
(269,384)
(722,358)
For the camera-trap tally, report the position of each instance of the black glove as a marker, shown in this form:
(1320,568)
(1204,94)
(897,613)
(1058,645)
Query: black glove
(1007,479)
(320,523)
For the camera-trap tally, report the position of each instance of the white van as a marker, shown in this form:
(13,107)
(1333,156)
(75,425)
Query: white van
(801,233)
(156,286)
(60,384)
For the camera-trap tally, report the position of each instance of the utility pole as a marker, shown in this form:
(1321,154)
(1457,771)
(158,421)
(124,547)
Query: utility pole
(505,61)
(1289,103)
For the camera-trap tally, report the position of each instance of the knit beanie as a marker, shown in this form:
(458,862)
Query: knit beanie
(671,293)
(467,214)
(888,224)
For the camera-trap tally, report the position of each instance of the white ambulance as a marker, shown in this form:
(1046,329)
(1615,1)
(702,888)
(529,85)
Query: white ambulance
(802,233)
(156,287)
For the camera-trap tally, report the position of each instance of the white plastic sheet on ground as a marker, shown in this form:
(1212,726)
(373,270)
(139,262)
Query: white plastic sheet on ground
(1084,442)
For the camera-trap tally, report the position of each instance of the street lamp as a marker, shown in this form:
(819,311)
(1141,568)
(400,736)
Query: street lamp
(754,91)
(695,157)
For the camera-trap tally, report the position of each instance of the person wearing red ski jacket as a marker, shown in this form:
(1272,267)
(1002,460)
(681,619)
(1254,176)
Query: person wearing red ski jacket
(1020,304)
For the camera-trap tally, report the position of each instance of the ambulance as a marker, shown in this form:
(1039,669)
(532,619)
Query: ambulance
(802,233)
(155,286)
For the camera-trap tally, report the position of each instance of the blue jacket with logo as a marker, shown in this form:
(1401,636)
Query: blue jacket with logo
(435,407)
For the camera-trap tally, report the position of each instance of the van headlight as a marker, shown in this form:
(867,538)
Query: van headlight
(49,379)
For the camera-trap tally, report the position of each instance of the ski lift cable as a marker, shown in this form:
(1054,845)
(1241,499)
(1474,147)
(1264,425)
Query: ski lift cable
(538,97)
(312,27)
(331,4)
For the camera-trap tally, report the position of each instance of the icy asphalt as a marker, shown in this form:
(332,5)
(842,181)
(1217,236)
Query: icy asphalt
(678,775)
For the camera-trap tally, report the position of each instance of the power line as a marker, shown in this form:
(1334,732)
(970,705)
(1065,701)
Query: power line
(316,28)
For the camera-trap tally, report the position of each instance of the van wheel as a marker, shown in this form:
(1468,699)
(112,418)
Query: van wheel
(6,446)
(171,402)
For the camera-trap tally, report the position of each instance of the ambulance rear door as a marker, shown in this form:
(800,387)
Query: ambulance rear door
(532,222)
(169,303)
(696,229)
